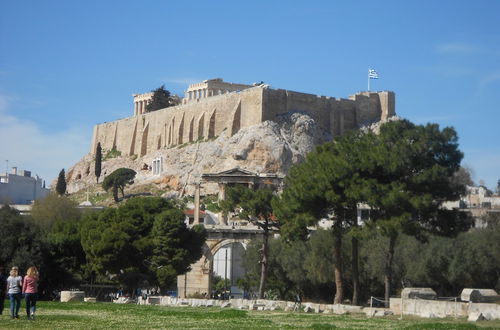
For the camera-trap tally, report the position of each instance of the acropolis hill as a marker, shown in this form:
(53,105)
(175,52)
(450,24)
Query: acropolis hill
(220,125)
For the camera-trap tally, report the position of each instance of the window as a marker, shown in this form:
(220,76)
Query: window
(157,166)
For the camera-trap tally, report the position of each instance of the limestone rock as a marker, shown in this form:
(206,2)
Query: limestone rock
(269,147)
(67,296)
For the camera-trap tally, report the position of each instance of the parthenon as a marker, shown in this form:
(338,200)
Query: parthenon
(211,87)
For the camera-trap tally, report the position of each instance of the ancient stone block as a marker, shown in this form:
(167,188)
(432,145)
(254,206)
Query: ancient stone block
(480,295)
(154,300)
(418,293)
(67,296)
(308,309)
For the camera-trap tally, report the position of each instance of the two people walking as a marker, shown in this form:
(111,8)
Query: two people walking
(16,287)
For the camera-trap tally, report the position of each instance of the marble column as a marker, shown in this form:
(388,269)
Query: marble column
(222,196)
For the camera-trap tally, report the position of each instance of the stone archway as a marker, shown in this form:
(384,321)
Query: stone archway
(198,280)
(227,265)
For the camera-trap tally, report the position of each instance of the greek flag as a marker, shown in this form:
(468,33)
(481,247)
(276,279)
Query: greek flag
(372,74)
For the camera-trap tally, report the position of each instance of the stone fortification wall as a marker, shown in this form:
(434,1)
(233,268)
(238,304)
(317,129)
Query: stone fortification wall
(206,118)
(197,120)
(334,115)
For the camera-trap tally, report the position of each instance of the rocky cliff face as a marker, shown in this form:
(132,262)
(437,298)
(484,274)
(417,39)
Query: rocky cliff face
(270,147)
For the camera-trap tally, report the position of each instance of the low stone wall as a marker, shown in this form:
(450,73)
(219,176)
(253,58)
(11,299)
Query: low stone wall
(257,304)
(436,308)
(490,311)
(417,307)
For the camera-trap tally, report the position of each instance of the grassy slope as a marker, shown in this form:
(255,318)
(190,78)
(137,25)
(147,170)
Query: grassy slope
(52,315)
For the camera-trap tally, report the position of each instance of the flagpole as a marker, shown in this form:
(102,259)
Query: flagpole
(368,79)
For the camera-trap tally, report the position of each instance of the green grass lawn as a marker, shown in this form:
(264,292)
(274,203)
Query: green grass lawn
(55,315)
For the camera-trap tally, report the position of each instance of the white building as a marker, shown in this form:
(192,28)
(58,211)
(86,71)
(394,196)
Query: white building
(20,188)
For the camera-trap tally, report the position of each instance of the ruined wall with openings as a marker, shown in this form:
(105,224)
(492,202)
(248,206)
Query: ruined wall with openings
(197,120)
(206,118)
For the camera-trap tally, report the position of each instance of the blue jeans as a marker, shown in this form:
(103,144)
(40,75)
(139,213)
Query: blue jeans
(30,303)
(15,303)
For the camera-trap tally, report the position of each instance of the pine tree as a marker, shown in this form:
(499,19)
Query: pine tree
(98,161)
(118,180)
(61,183)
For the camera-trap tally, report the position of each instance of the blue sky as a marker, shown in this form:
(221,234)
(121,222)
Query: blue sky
(67,65)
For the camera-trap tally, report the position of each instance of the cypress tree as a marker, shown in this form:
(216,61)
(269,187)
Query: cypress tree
(98,161)
(61,183)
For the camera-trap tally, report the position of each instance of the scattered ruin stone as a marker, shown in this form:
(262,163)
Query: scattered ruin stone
(67,296)
(308,309)
(476,316)
(154,300)
(125,300)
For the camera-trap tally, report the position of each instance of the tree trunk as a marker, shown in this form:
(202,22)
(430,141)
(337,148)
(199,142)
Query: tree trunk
(263,265)
(338,262)
(115,193)
(355,256)
(355,272)
(388,268)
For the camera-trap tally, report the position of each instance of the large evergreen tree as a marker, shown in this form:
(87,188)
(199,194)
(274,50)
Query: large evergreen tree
(139,239)
(161,99)
(255,206)
(407,173)
(61,183)
(168,231)
(404,173)
(21,244)
(325,185)
(98,161)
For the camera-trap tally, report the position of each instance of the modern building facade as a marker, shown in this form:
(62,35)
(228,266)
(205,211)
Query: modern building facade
(20,188)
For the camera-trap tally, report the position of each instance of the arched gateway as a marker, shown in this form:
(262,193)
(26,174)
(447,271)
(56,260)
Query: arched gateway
(198,280)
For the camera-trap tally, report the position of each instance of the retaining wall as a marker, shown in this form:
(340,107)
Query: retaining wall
(417,307)
(436,308)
